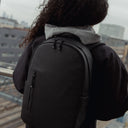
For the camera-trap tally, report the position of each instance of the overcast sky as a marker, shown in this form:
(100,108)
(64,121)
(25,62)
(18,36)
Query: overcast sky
(27,10)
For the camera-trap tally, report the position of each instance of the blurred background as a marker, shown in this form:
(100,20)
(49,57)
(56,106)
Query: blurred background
(16,18)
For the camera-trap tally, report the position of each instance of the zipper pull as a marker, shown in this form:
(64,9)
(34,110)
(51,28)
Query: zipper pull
(60,46)
(33,78)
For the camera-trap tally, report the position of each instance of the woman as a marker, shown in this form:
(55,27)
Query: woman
(109,94)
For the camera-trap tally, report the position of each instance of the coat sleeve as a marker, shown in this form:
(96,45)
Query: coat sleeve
(21,69)
(110,86)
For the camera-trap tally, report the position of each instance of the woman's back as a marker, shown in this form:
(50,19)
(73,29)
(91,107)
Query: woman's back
(108,93)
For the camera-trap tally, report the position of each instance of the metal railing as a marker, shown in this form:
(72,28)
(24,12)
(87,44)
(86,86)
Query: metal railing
(7,89)
(7,65)
(10,101)
(6,72)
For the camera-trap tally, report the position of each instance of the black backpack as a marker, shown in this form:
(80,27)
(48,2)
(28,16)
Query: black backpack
(57,88)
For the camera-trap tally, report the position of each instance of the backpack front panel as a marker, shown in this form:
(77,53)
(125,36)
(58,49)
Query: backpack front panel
(54,87)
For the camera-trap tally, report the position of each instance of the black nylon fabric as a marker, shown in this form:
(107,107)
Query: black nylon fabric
(109,95)
(54,93)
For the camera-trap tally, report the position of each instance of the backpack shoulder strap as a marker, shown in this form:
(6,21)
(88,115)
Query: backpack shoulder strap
(97,44)
(88,60)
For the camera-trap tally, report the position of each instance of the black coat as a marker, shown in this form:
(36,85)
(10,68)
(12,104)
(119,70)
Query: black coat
(109,93)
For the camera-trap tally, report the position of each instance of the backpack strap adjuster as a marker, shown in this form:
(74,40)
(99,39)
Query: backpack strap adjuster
(60,46)
(54,45)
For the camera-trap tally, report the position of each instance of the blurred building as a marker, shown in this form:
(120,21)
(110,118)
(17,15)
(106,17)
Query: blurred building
(115,31)
(9,23)
(24,24)
(120,46)
(12,23)
(114,42)
(9,44)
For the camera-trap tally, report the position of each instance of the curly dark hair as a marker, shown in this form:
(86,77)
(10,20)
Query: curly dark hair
(67,13)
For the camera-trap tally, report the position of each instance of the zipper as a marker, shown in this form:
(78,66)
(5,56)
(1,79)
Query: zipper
(31,89)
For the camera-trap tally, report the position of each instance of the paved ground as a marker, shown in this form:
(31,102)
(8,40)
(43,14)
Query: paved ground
(10,111)
(10,115)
